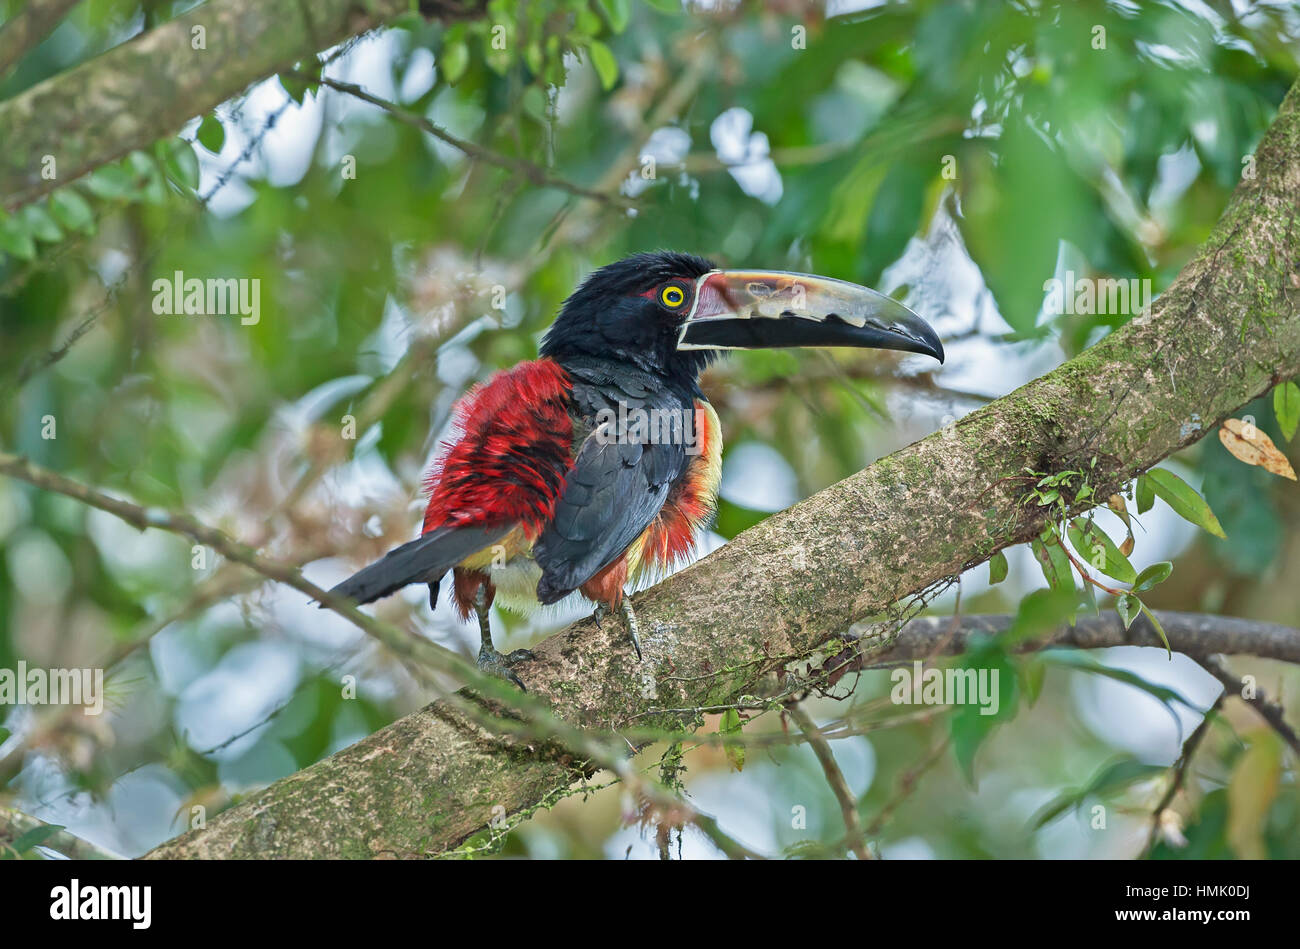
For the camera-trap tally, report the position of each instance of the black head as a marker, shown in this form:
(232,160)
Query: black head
(632,311)
(671,314)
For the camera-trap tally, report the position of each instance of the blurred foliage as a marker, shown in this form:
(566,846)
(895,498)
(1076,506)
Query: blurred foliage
(899,146)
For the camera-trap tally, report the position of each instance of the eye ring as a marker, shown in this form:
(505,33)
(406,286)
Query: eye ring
(672,296)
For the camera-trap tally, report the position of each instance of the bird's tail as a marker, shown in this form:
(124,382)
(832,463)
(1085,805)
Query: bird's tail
(423,560)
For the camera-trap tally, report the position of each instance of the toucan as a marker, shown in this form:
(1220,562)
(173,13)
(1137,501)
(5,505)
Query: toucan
(597,464)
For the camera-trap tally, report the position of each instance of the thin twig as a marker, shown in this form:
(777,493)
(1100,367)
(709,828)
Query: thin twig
(835,778)
(535,174)
(1180,771)
(1268,710)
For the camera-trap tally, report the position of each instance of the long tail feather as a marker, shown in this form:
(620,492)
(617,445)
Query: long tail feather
(423,560)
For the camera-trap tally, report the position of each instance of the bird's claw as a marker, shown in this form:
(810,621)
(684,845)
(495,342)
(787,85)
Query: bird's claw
(495,664)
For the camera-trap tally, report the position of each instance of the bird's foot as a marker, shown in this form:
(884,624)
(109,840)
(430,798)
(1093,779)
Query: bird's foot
(495,664)
(633,628)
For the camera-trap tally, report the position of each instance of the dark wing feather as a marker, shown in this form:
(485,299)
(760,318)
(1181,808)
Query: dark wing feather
(614,491)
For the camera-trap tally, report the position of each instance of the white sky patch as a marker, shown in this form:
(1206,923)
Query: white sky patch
(668,147)
(1175,173)
(748,153)
(38,568)
(286,150)
(249,683)
(845,7)
(754,475)
(1128,718)
(419,75)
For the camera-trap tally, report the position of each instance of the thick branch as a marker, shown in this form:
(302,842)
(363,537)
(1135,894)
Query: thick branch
(150,86)
(1224,333)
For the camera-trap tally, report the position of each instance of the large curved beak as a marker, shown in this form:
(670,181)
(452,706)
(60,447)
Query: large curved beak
(768,309)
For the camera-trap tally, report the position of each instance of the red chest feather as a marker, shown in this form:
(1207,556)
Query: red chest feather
(509,462)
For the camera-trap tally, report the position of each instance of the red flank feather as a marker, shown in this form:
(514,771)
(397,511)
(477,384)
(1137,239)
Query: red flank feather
(513,455)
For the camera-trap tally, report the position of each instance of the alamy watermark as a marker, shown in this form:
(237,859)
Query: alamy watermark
(921,686)
(1102,296)
(36,686)
(228,296)
(656,426)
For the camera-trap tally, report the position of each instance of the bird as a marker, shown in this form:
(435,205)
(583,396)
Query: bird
(598,463)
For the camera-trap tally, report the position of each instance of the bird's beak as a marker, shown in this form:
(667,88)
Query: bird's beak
(768,309)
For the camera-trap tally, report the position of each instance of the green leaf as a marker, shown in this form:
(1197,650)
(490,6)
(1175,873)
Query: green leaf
(211,134)
(1109,779)
(1160,630)
(1127,607)
(41,224)
(1038,614)
(602,57)
(297,87)
(110,182)
(72,210)
(1085,662)
(1033,672)
(617,13)
(1156,573)
(970,726)
(455,60)
(731,724)
(1089,540)
(998,567)
(895,216)
(183,165)
(1052,559)
(35,837)
(1182,497)
(732,518)
(1286,406)
(14,238)
(666,6)
(1145,496)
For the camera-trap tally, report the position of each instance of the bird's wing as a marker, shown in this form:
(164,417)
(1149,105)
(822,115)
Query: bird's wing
(614,491)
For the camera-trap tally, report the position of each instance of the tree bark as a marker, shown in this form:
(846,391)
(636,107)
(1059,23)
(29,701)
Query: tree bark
(1225,332)
(148,87)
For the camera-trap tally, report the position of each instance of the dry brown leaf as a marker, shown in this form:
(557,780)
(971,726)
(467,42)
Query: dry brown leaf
(1252,446)
(1116,504)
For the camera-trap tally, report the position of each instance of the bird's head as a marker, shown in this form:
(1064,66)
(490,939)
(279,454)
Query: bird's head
(672,314)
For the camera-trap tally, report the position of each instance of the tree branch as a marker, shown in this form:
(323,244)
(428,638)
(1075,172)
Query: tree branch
(835,778)
(150,86)
(1196,634)
(534,174)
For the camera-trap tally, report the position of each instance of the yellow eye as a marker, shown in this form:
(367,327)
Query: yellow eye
(673,296)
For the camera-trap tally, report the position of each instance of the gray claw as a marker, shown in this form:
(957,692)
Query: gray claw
(494,664)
